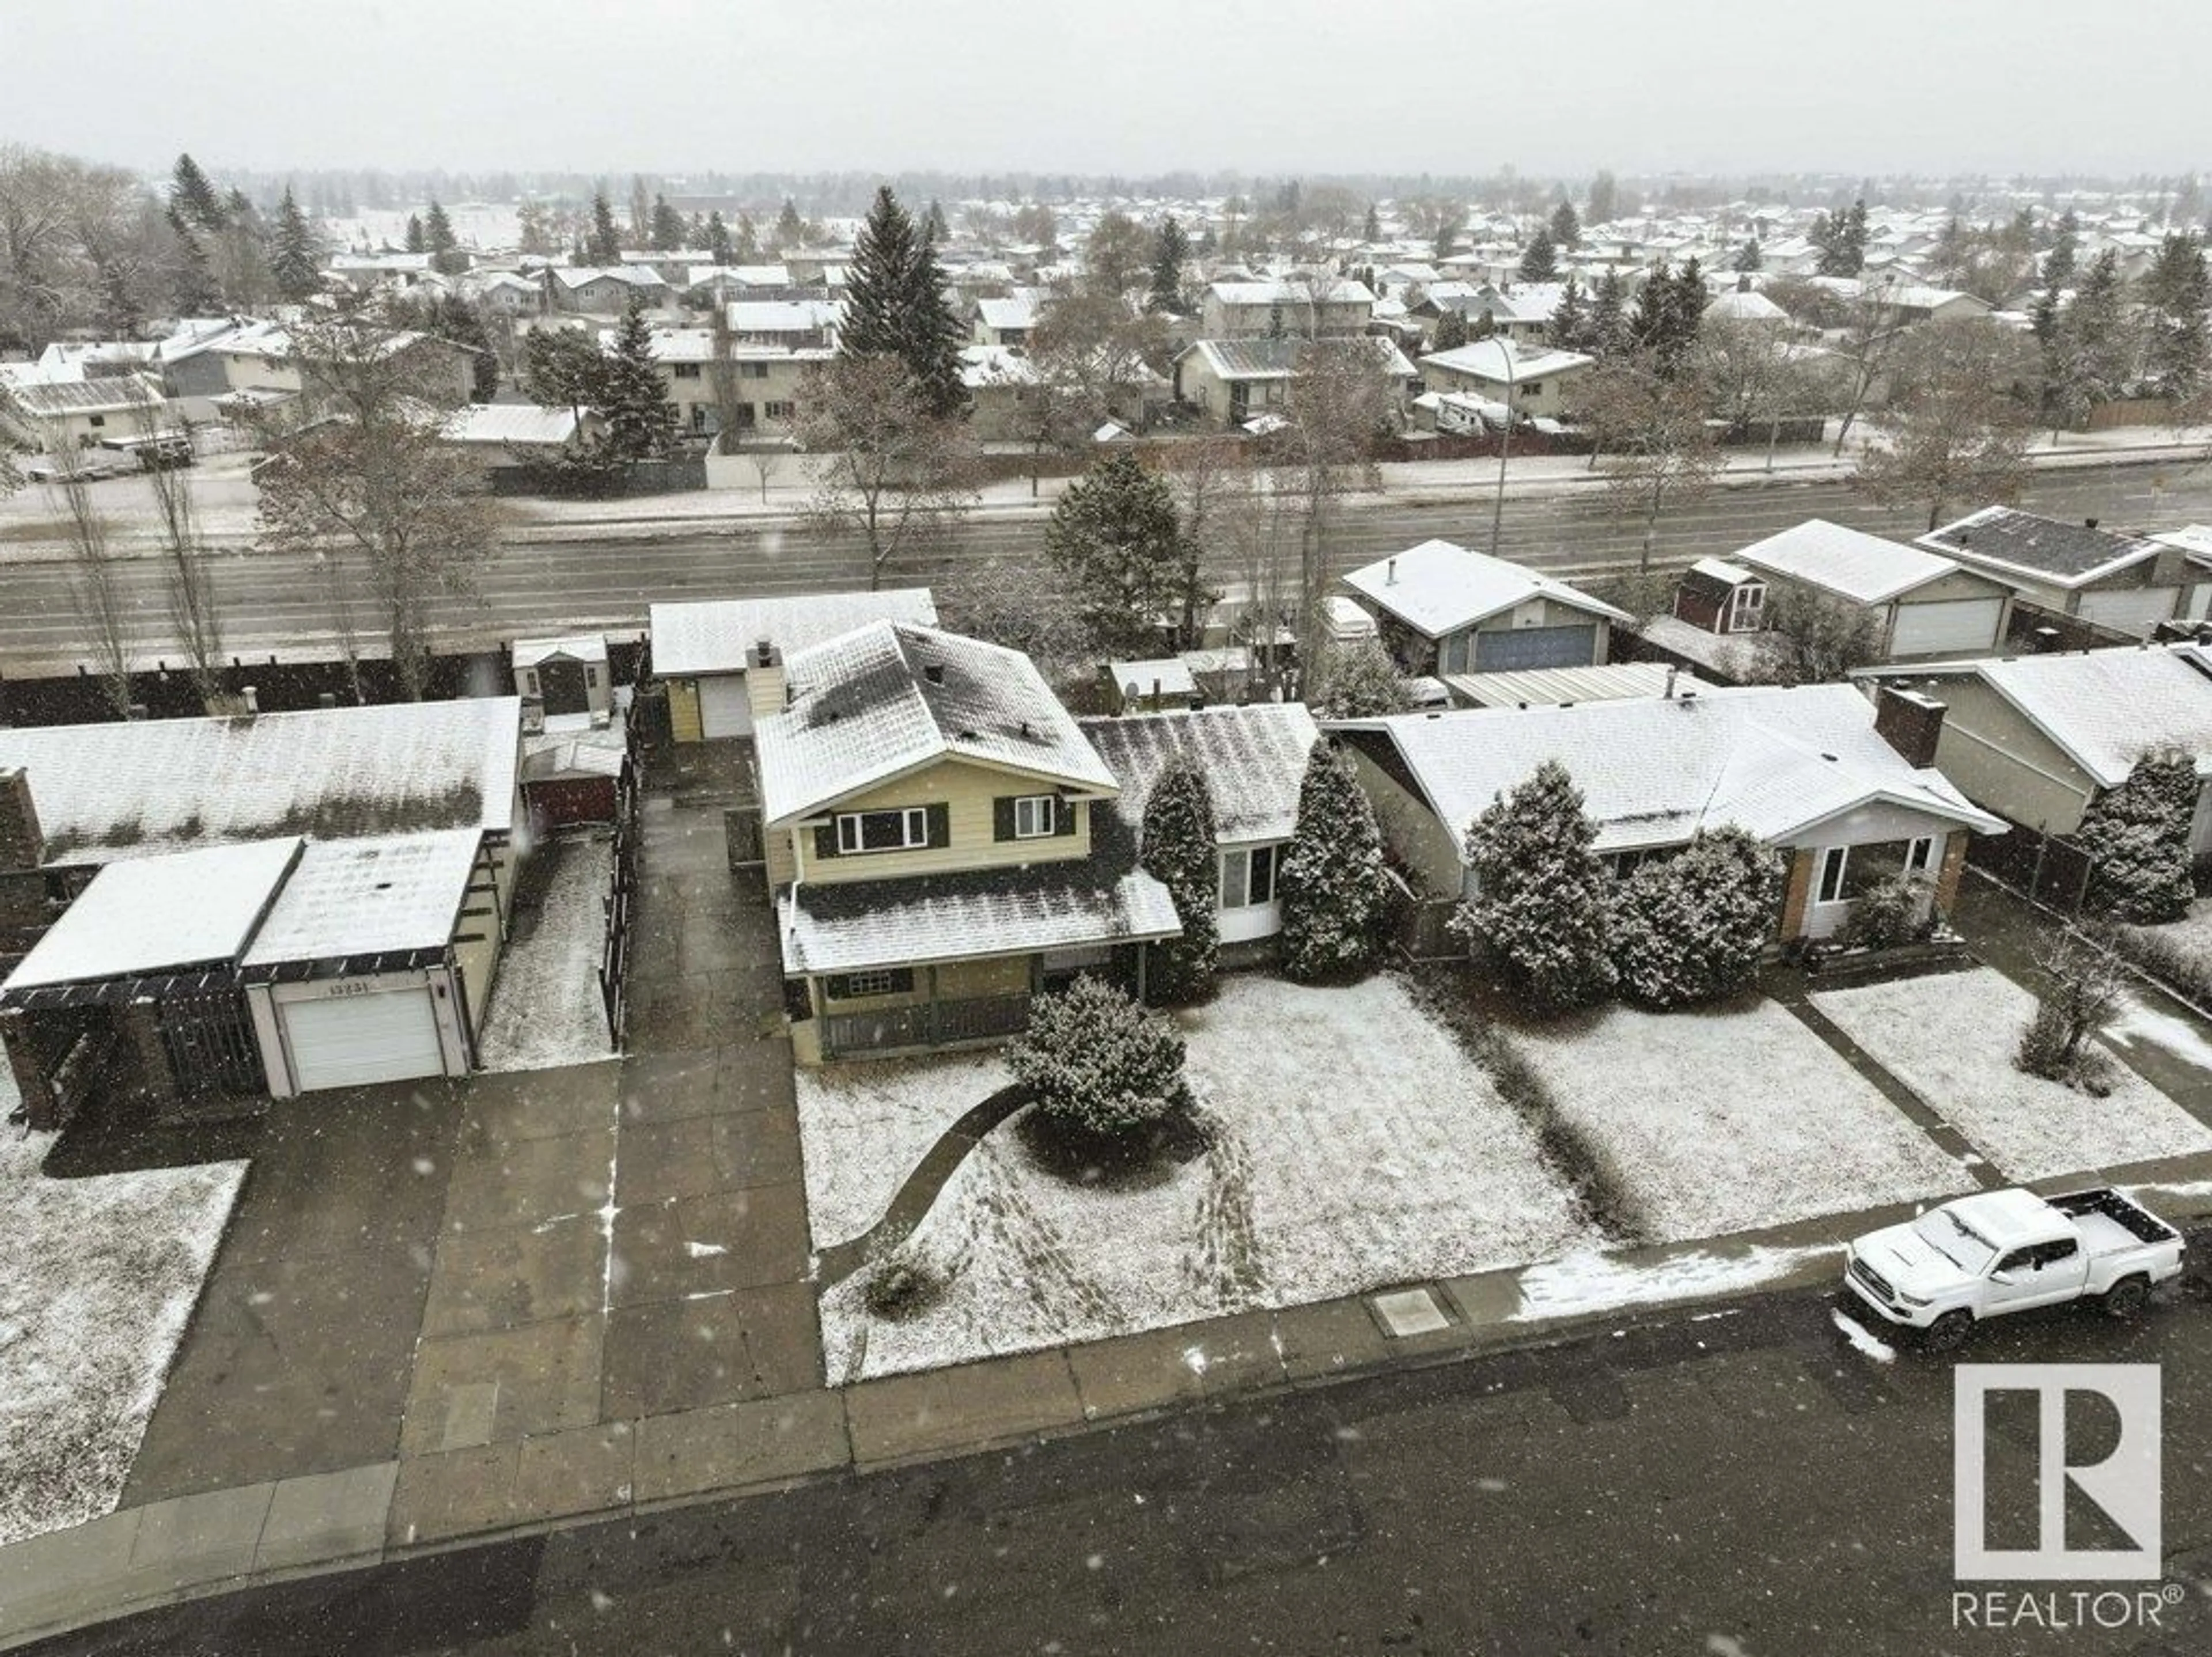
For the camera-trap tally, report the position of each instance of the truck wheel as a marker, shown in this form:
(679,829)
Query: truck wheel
(2128,1297)
(1948,1332)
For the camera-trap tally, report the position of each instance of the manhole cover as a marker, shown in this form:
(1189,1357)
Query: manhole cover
(1409,1311)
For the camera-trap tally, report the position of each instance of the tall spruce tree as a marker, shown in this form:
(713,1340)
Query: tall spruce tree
(1569,327)
(2177,293)
(294,259)
(1331,879)
(641,420)
(1566,225)
(1539,260)
(719,248)
(603,243)
(933,225)
(418,238)
(1115,534)
(1169,254)
(1177,848)
(790,229)
(1541,896)
(1372,229)
(895,305)
(194,199)
(438,229)
(1450,332)
(1608,317)
(669,232)
(1842,239)
(1603,203)
(1748,257)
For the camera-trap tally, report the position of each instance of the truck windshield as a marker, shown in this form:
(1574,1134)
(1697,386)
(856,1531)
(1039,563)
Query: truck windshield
(1954,1240)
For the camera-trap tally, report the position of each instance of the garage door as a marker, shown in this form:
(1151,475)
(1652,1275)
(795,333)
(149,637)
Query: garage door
(1533,647)
(2131,609)
(346,1041)
(1938,628)
(723,708)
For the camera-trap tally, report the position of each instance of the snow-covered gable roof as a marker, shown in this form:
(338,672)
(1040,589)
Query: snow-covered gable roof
(890,698)
(983,366)
(1017,313)
(501,424)
(715,635)
(2192,541)
(1154,676)
(1440,587)
(1866,569)
(2058,551)
(1746,305)
(1341,291)
(160,915)
(1253,758)
(133,787)
(577,647)
(630,276)
(1278,359)
(1772,762)
(2106,709)
(384,894)
(1504,362)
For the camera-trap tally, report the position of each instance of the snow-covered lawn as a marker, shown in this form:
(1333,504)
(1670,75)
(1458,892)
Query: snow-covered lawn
(97,1283)
(863,1126)
(1356,1145)
(1728,1120)
(2180,953)
(1950,1039)
(545,1006)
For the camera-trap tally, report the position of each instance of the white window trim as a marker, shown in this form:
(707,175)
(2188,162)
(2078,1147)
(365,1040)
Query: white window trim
(1920,856)
(1242,856)
(1048,805)
(1836,857)
(914,823)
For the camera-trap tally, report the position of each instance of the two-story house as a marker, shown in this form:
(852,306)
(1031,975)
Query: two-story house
(1316,307)
(1532,380)
(928,810)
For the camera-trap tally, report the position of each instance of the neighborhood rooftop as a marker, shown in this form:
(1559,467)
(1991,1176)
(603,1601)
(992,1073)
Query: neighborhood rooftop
(1440,586)
(1252,759)
(1850,561)
(715,635)
(387,894)
(2053,548)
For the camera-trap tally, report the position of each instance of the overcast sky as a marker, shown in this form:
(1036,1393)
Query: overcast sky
(1132,86)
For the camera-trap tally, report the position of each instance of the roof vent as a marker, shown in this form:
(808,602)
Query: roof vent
(1830,758)
(934,673)
(1390,573)
(2090,523)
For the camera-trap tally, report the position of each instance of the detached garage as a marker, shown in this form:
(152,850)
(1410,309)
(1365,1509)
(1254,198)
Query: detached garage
(1926,605)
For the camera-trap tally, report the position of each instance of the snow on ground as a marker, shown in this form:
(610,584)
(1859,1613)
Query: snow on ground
(97,1283)
(1356,1145)
(1862,1338)
(2189,939)
(1950,1039)
(863,1126)
(2139,1025)
(1732,1119)
(1591,1281)
(545,1006)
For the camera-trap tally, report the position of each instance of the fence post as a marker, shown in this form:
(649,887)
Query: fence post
(2035,875)
(2081,890)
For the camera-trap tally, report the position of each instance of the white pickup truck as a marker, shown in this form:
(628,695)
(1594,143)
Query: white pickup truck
(2000,1251)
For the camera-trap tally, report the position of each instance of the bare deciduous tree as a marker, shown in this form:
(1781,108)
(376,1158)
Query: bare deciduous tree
(1341,406)
(1755,376)
(882,463)
(1957,427)
(2084,987)
(95,583)
(1663,452)
(188,571)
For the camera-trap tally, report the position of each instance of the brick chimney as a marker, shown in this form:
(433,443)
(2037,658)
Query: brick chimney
(22,842)
(1909,723)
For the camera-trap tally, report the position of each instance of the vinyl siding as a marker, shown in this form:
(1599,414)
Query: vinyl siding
(967,792)
(2003,763)
(683,710)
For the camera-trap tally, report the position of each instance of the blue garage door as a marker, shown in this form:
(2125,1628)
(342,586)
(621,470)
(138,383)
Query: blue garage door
(1533,647)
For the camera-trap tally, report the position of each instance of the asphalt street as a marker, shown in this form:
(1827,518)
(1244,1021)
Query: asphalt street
(1735,1482)
(270,601)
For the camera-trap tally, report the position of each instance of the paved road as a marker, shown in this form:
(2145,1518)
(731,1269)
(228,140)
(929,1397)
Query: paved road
(1743,1484)
(270,601)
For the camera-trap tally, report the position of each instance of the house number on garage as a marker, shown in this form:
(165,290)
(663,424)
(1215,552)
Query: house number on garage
(348,987)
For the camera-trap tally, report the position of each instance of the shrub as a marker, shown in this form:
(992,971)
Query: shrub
(2083,983)
(1098,1061)
(1331,882)
(1541,893)
(899,1287)
(1177,849)
(1886,914)
(2137,837)
(1690,928)
(1357,680)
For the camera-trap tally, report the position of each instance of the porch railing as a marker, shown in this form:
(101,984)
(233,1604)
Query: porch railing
(925,1024)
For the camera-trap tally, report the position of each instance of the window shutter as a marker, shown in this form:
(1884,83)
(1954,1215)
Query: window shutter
(940,826)
(1064,816)
(825,841)
(1002,817)
(838,987)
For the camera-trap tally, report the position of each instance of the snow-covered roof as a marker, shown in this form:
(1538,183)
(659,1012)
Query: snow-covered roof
(132,788)
(1340,290)
(1017,313)
(160,914)
(715,635)
(1653,772)
(783,315)
(1157,676)
(1253,758)
(849,927)
(1720,569)
(632,276)
(510,423)
(384,894)
(577,647)
(2106,709)
(890,698)
(1746,305)
(1440,586)
(47,399)
(2058,551)
(2193,541)
(1505,362)
(1279,359)
(982,366)
(1546,687)
(1865,569)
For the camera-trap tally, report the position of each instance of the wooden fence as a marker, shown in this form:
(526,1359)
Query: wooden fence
(2044,868)
(621,903)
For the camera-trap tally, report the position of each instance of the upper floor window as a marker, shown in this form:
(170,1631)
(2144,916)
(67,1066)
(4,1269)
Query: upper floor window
(684,370)
(752,370)
(883,831)
(1036,816)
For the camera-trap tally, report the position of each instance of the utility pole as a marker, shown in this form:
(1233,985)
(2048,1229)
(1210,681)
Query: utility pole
(1505,446)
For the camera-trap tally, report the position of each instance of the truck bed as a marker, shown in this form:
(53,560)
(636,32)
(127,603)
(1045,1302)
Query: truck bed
(2109,1222)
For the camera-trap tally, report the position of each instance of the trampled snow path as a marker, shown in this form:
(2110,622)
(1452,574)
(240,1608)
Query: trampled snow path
(1950,1039)
(546,1009)
(97,1284)
(1591,1281)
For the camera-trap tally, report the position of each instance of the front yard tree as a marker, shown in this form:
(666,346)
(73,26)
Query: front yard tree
(1331,881)
(1113,534)
(1816,639)
(895,307)
(670,233)
(563,368)
(720,250)
(1098,1062)
(1357,680)
(1540,893)
(2084,985)
(641,420)
(1690,927)
(1177,848)
(1566,225)
(883,461)
(1956,430)
(2137,839)
(294,258)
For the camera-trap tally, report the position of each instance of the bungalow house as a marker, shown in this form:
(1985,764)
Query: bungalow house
(2119,580)
(1001,385)
(2036,738)
(506,292)
(500,434)
(273,903)
(1807,772)
(54,414)
(1521,312)
(1444,609)
(934,844)
(611,288)
(1534,381)
(1234,380)
(2194,543)
(1924,603)
(1008,322)
(1315,307)
(722,660)
(1254,759)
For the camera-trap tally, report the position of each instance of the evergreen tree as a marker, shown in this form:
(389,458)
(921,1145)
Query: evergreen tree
(1541,895)
(438,230)
(790,229)
(2059,264)
(1748,257)
(1170,253)
(719,248)
(294,259)
(933,225)
(603,244)
(198,293)
(1371,231)
(1098,1061)
(1177,849)
(1690,927)
(563,368)
(746,246)
(534,228)
(1841,239)
(895,305)
(669,232)
(1566,225)
(1569,327)
(1114,535)
(1539,260)
(1450,332)
(1603,204)
(193,198)
(2094,356)
(1356,681)
(2137,839)
(641,420)
(1331,879)
(453,317)
(2176,293)
(1608,317)
(418,240)
(1669,309)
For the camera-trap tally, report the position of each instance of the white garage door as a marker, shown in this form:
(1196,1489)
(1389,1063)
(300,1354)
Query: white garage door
(723,708)
(1949,625)
(346,1041)
(2131,609)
